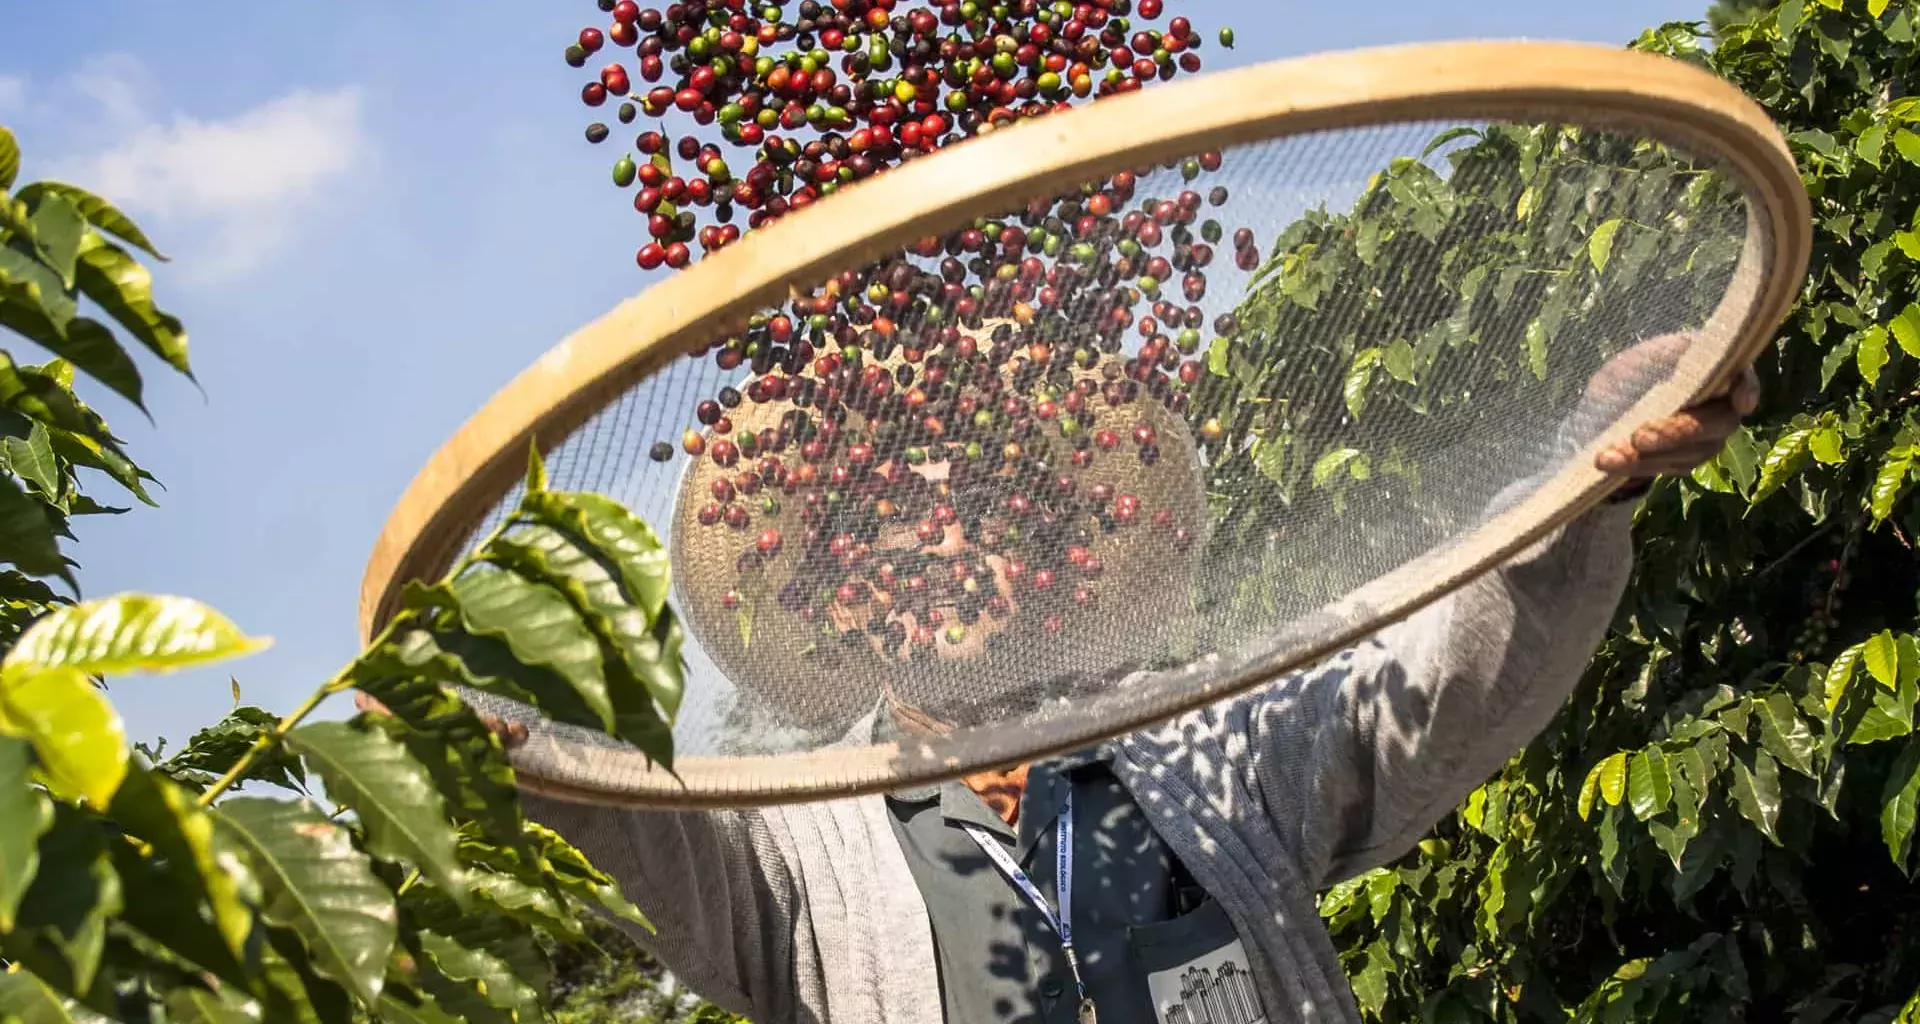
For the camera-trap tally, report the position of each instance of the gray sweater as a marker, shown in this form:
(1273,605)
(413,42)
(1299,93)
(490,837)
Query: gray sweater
(810,914)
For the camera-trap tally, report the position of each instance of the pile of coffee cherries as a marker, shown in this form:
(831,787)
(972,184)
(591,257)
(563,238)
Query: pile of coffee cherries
(839,92)
(924,452)
(916,437)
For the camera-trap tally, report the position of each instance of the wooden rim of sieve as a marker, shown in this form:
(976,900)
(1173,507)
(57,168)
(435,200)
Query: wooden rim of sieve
(1676,103)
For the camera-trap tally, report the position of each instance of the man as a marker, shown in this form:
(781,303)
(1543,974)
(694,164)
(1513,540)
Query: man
(1193,850)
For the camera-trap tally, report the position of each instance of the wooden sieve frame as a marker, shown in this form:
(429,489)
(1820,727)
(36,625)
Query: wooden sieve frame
(1677,103)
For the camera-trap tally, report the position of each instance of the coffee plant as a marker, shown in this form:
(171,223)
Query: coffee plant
(1720,825)
(138,887)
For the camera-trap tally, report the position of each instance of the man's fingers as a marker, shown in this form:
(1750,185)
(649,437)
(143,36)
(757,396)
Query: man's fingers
(365,702)
(1746,392)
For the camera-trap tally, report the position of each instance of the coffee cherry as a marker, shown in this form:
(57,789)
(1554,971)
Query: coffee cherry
(661,451)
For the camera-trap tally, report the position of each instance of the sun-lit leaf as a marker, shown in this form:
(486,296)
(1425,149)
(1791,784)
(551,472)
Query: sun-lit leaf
(190,1004)
(9,158)
(1536,345)
(1870,142)
(1889,482)
(1908,143)
(1756,792)
(58,229)
(1897,801)
(31,459)
(1331,463)
(391,793)
(318,885)
(77,734)
(1825,445)
(1649,783)
(1783,460)
(129,633)
(1839,675)
(97,211)
(524,902)
(1905,329)
(1600,243)
(1870,353)
(120,285)
(1359,377)
(28,815)
(492,977)
(1882,657)
(1613,778)
(1784,734)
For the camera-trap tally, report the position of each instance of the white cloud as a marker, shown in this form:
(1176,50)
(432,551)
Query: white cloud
(224,194)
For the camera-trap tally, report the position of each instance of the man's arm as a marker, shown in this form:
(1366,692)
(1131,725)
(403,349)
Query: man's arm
(1355,759)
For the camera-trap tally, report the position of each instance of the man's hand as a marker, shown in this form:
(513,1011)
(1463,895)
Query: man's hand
(1680,443)
(511,734)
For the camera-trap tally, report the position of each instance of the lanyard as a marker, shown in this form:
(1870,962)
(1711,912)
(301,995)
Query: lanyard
(1062,921)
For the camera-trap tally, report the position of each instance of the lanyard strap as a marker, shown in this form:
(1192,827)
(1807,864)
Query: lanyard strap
(1061,922)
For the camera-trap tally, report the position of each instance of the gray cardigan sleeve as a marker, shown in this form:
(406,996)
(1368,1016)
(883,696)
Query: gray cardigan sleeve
(1356,758)
(713,883)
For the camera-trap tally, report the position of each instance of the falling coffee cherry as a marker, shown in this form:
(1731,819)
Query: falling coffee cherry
(661,451)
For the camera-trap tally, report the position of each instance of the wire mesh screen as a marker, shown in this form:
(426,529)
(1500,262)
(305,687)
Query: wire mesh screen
(1100,453)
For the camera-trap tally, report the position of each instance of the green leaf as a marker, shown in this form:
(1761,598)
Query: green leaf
(417,1010)
(1819,141)
(1888,484)
(1613,778)
(1876,8)
(31,459)
(1332,462)
(541,628)
(523,902)
(1600,243)
(1784,734)
(1870,143)
(1905,329)
(28,816)
(97,211)
(1536,344)
(491,976)
(86,344)
(1834,685)
(25,999)
(85,451)
(203,863)
(190,1004)
(1370,984)
(1908,144)
(75,731)
(26,534)
(318,885)
(632,646)
(1825,444)
(216,749)
(391,794)
(1649,785)
(1756,792)
(120,285)
(1782,461)
(57,231)
(620,538)
(1871,353)
(129,633)
(9,158)
(1359,376)
(73,897)
(1897,800)
(1882,658)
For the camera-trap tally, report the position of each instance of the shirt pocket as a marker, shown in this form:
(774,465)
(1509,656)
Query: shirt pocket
(1196,969)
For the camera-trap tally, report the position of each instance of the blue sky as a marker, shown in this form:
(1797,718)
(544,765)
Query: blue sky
(379,213)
